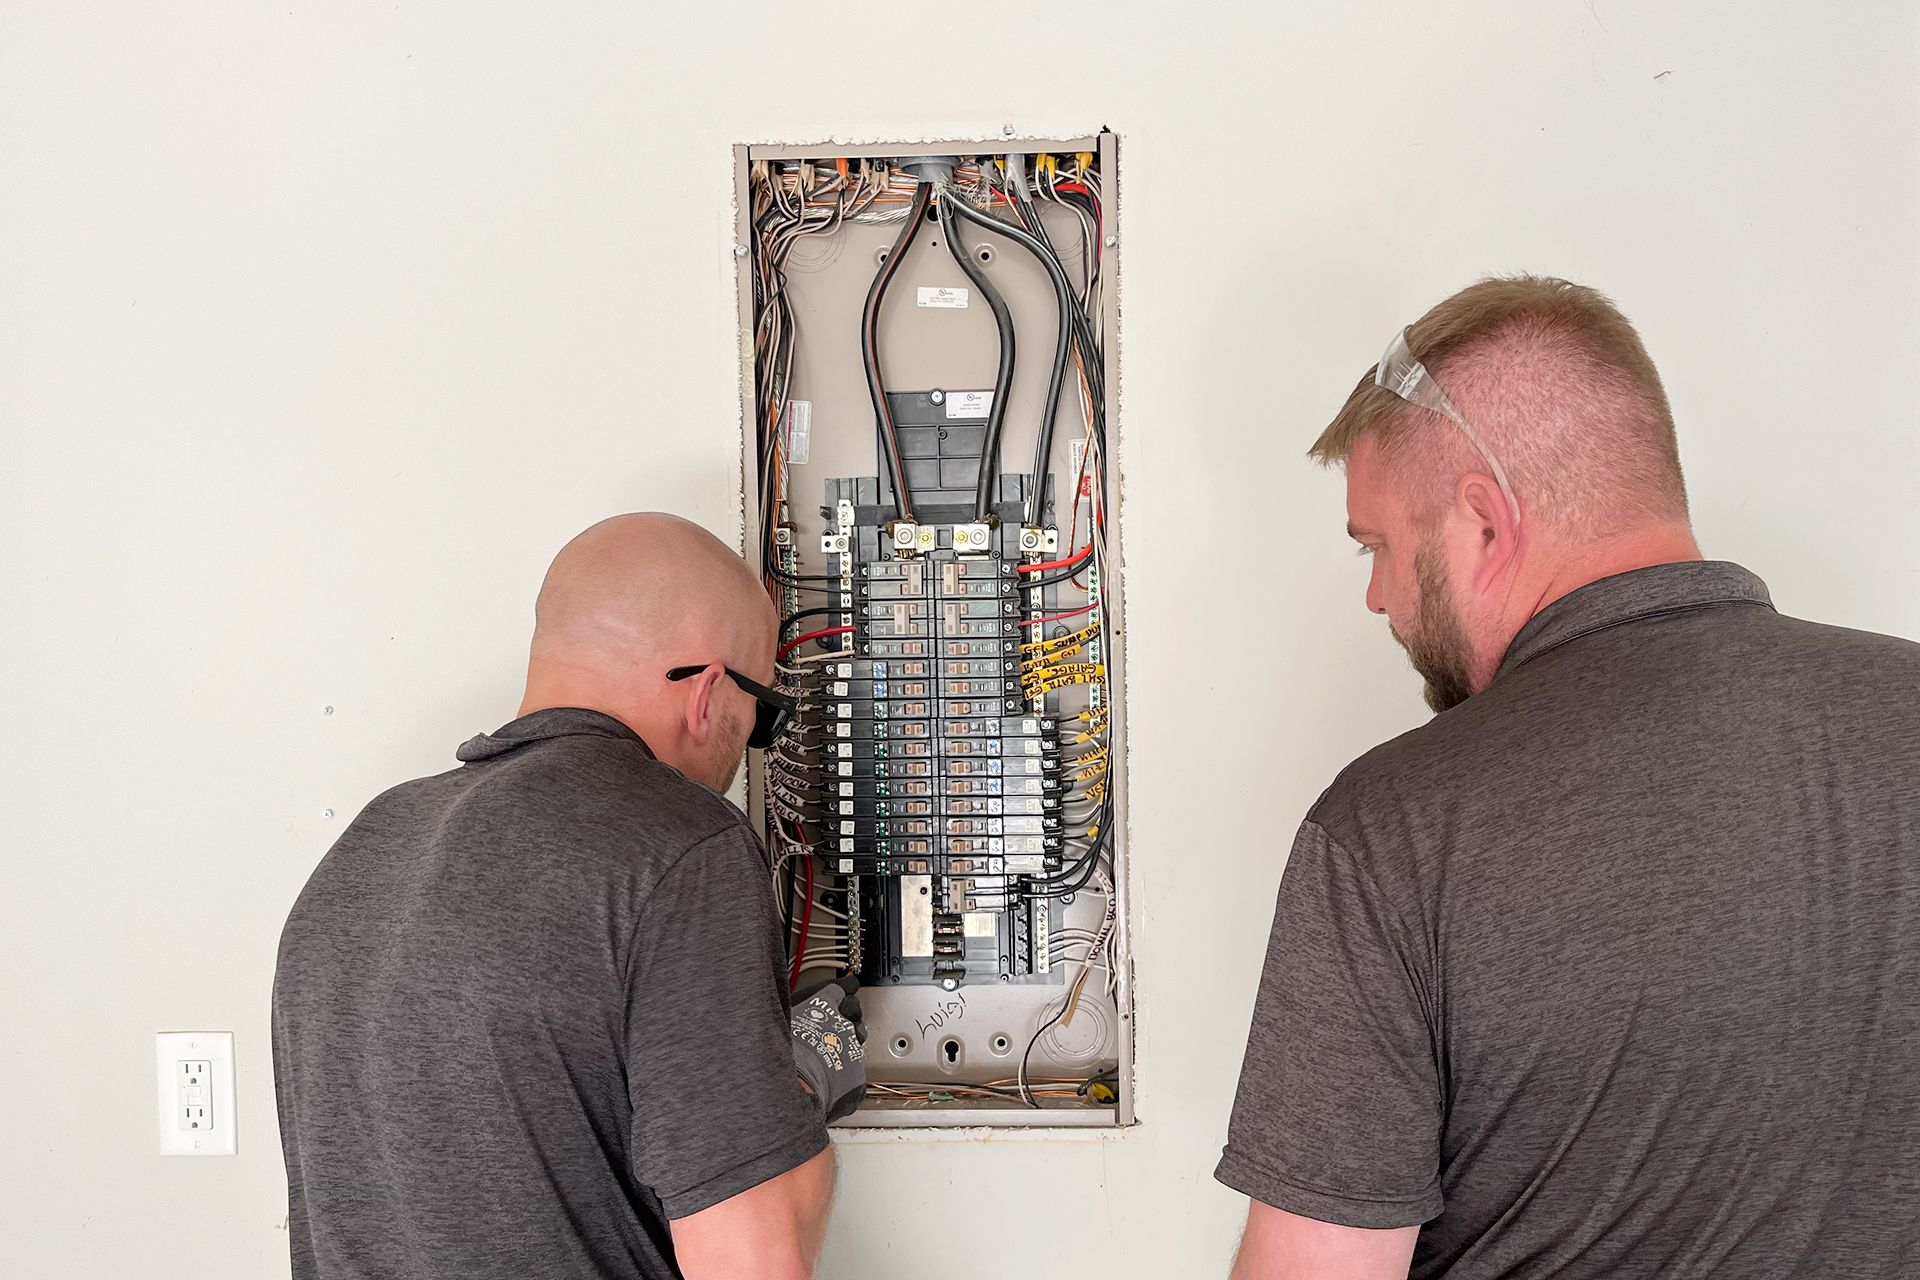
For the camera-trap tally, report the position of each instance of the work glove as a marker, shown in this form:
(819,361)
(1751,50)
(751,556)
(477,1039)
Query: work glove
(829,1044)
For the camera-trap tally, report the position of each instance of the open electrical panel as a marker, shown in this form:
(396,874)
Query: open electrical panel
(928,339)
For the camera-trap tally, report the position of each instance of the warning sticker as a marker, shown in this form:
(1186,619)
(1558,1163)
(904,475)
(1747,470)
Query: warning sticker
(941,296)
(969,404)
(799,433)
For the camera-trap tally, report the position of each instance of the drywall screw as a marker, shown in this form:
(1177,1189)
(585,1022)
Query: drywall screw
(326,813)
(326,711)
(1111,241)
(1007,129)
(739,251)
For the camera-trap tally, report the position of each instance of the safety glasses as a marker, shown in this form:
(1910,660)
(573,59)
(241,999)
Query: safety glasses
(1407,378)
(769,718)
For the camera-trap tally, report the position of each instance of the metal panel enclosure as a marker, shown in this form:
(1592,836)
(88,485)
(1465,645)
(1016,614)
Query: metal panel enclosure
(947,809)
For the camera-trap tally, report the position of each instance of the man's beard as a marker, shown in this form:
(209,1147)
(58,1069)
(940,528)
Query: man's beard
(1437,643)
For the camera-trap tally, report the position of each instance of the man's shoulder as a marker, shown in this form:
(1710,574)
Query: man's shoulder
(1556,723)
(620,786)
(594,796)
(1437,763)
(1849,645)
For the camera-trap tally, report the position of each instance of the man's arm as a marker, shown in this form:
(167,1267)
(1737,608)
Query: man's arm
(768,1232)
(1336,1126)
(721,1120)
(1285,1246)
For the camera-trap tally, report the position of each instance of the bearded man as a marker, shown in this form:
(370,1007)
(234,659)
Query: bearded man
(1612,968)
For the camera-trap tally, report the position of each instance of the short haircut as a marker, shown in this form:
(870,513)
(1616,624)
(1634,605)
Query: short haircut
(1559,386)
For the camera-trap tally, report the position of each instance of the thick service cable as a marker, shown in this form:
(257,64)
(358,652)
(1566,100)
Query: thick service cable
(1071,320)
(870,355)
(1003,376)
(1062,347)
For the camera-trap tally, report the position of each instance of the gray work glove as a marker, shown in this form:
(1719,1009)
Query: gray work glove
(829,1044)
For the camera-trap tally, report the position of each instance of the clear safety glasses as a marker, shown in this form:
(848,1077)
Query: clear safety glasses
(1407,378)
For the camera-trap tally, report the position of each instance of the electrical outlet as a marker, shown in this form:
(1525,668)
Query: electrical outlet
(195,1080)
(193,1071)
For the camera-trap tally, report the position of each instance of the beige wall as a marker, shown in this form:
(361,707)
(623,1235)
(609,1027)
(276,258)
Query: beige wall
(321,329)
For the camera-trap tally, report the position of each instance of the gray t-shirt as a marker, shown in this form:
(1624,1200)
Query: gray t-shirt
(526,1012)
(1614,969)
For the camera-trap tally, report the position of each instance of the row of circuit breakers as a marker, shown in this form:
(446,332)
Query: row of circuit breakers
(944,775)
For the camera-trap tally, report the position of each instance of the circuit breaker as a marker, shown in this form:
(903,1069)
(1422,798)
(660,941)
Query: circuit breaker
(929,385)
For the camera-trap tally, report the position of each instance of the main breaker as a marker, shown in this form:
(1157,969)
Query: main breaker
(929,388)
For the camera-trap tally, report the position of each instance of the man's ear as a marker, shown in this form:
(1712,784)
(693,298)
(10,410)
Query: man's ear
(696,713)
(1497,530)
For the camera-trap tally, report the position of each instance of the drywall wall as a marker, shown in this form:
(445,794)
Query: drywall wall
(322,326)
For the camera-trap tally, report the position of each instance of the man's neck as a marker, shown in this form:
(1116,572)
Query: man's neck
(1582,565)
(551,687)
(1574,567)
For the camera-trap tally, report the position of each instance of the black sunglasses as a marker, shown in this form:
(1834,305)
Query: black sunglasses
(768,719)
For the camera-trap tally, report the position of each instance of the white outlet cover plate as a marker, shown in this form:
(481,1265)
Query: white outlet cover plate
(174,1049)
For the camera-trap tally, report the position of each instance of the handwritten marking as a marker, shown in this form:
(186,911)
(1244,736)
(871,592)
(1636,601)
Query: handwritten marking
(950,1010)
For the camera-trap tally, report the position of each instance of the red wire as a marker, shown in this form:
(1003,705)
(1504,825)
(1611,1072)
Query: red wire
(1061,617)
(797,641)
(806,922)
(1044,565)
(1081,188)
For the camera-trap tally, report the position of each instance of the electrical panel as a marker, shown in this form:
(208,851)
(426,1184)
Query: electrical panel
(929,381)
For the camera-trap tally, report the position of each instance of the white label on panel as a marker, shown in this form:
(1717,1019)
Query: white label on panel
(799,441)
(969,404)
(979,924)
(941,296)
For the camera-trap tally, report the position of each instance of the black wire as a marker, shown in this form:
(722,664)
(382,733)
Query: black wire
(1076,877)
(1064,303)
(1003,376)
(1086,866)
(870,355)
(1023,201)
(1047,580)
(1025,1092)
(809,613)
(1074,570)
(1071,316)
(783,576)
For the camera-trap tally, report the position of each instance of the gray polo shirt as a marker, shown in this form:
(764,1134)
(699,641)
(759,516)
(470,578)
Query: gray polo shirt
(1614,969)
(526,1012)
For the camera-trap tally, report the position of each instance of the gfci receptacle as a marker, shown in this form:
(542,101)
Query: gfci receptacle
(194,1075)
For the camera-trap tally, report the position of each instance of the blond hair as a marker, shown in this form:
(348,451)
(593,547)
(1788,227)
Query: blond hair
(1556,382)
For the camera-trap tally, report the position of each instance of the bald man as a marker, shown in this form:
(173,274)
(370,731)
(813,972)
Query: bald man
(1613,968)
(529,1016)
